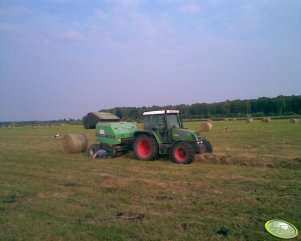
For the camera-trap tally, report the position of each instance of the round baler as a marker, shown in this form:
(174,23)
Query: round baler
(116,138)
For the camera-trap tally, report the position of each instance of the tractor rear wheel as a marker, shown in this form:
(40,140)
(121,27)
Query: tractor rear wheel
(146,148)
(182,153)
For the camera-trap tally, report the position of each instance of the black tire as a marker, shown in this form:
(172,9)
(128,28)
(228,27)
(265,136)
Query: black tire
(93,149)
(146,148)
(209,148)
(182,153)
(108,148)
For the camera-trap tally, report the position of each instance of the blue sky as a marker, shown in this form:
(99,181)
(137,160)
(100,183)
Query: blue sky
(65,58)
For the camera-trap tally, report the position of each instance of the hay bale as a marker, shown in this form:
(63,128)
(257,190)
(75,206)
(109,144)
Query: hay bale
(266,120)
(205,127)
(293,120)
(73,143)
(249,120)
(226,119)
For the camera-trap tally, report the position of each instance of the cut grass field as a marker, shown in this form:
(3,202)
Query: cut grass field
(252,176)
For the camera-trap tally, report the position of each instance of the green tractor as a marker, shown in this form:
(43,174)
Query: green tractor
(164,134)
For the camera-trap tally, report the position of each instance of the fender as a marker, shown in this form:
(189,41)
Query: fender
(149,133)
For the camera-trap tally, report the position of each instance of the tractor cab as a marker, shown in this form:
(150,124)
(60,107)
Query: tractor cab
(162,119)
(162,122)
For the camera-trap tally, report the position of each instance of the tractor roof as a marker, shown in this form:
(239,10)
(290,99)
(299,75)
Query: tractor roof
(161,112)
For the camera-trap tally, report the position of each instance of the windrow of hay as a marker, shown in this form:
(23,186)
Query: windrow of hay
(74,143)
(266,120)
(293,120)
(207,126)
(228,159)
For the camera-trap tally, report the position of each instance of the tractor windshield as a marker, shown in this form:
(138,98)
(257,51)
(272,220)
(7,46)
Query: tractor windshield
(172,121)
(154,122)
(158,122)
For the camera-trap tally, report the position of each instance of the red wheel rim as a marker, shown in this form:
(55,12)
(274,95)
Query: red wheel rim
(144,148)
(180,154)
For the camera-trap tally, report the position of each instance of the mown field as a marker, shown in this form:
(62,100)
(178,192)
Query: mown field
(254,175)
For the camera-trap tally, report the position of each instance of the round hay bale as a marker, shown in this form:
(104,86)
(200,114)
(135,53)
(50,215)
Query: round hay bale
(266,120)
(293,120)
(249,120)
(73,143)
(226,119)
(205,127)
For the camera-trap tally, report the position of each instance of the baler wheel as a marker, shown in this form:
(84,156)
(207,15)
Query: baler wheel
(93,149)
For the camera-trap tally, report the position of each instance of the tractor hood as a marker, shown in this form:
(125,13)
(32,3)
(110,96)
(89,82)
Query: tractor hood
(179,134)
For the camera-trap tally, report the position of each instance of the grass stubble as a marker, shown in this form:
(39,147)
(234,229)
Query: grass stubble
(252,176)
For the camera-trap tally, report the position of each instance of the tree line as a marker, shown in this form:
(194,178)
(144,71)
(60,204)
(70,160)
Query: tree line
(277,106)
(69,121)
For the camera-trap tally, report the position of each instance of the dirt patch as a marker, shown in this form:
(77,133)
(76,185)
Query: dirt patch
(223,231)
(124,216)
(71,184)
(11,199)
(130,216)
(162,197)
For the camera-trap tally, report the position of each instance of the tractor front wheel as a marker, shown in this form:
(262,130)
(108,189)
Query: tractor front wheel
(209,148)
(182,153)
(146,148)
